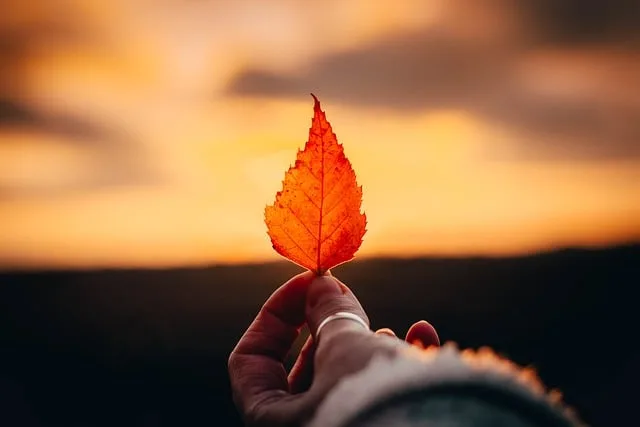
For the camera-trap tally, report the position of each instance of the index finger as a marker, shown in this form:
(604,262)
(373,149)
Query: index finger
(256,367)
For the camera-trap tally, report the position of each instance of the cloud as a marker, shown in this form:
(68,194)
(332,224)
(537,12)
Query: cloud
(567,109)
(115,159)
(19,114)
(27,35)
(585,21)
(412,71)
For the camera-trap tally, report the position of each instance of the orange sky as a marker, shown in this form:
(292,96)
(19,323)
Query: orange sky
(184,170)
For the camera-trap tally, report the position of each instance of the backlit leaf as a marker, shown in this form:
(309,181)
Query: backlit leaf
(315,220)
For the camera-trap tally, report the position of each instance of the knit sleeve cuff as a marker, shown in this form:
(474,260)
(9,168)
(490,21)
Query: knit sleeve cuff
(414,370)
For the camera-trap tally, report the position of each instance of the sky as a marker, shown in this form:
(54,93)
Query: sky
(153,133)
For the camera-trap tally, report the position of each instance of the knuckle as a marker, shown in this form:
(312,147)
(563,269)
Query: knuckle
(338,345)
(234,362)
(354,348)
(254,416)
(258,413)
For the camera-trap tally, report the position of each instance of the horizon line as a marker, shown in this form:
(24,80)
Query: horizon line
(40,269)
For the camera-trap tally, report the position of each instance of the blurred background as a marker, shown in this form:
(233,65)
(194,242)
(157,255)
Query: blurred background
(140,141)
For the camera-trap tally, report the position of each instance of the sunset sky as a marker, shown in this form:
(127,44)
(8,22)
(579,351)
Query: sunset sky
(153,133)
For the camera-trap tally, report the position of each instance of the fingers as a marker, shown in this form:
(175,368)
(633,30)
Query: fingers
(386,331)
(422,334)
(261,388)
(321,302)
(301,375)
(256,364)
(327,296)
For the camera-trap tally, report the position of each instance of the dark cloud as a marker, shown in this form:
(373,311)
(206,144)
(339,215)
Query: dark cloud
(434,69)
(27,30)
(570,129)
(25,34)
(585,21)
(118,160)
(413,71)
(20,115)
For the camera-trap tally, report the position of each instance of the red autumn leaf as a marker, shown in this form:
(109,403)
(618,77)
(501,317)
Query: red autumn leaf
(315,220)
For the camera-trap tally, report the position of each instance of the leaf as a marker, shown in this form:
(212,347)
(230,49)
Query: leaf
(315,220)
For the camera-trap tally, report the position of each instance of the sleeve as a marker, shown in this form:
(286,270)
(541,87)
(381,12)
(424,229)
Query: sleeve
(443,387)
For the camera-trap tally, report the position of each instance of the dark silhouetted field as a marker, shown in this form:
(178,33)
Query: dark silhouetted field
(149,347)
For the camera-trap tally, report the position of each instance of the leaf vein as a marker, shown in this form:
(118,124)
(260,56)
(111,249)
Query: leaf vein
(337,183)
(296,243)
(305,193)
(310,171)
(337,228)
(302,223)
(332,208)
(333,165)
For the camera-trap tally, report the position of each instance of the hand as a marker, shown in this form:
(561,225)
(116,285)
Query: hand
(263,391)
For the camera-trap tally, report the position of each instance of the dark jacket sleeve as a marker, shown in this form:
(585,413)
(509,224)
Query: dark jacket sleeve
(443,388)
(445,410)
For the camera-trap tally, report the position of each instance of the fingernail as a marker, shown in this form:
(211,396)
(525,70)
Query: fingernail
(323,287)
(424,332)
(386,331)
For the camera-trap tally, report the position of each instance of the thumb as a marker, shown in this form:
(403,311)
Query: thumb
(326,296)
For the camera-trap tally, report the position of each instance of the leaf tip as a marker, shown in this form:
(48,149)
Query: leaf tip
(316,103)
